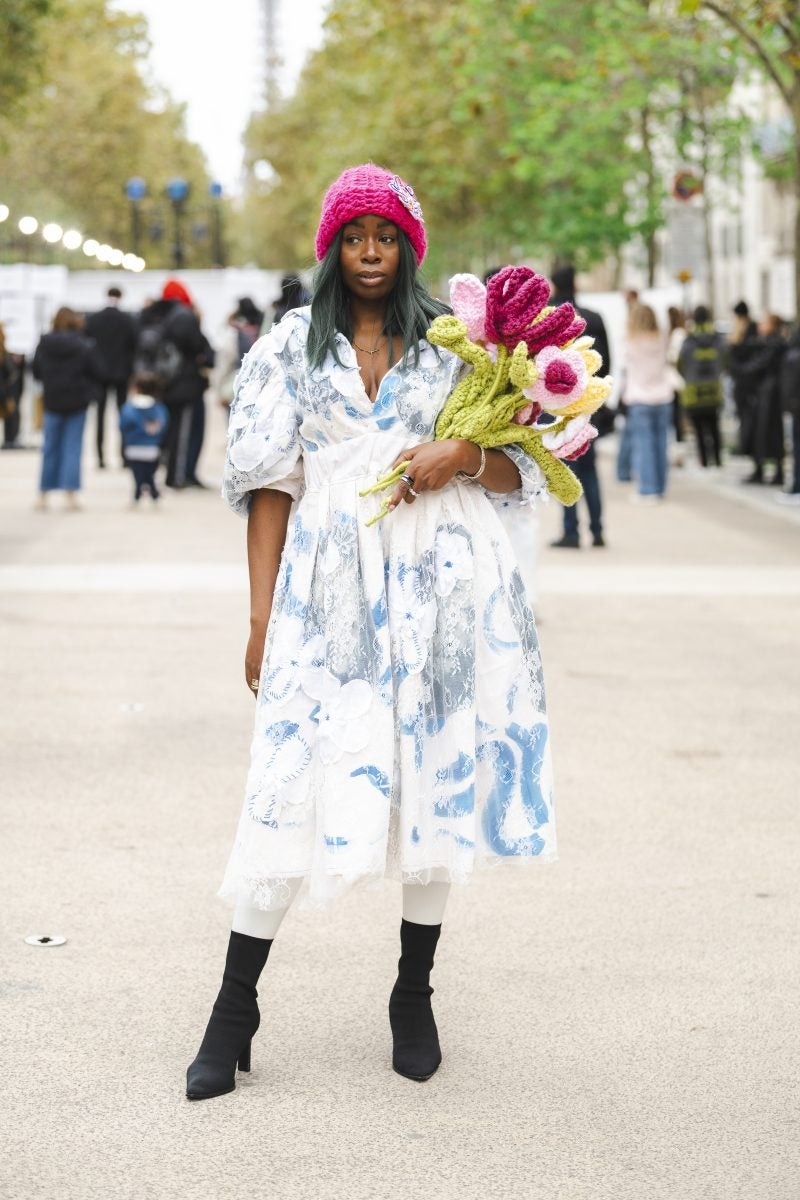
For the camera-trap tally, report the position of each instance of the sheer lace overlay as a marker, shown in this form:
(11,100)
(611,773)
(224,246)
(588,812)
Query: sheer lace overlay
(400,723)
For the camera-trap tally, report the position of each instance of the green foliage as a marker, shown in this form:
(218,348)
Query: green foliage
(90,125)
(524,134)
(20,31)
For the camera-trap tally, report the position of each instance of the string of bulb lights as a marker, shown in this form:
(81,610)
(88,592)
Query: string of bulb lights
(71,239)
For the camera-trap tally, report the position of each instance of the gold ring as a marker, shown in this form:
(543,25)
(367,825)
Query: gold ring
(254,685)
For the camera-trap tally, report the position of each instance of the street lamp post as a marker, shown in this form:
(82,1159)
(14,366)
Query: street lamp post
(136,190)
(217,243)
(178,191)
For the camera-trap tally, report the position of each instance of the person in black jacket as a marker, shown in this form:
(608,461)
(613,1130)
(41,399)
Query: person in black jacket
(10,392)
(742,346)
(700,363)
(68,366)
(763,370)
(172,346)
(585,467)
(790,398)
(114,332)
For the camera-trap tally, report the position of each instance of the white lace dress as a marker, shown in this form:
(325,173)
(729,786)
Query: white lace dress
(400,722)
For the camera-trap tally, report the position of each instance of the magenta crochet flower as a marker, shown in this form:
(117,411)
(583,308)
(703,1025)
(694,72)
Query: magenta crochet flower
(563,377)
(468,301)
(560,326)
(515,298)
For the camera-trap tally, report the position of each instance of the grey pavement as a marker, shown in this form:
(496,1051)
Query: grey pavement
(622,1024)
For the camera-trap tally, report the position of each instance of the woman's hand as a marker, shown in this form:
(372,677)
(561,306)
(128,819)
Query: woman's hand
(254,655)
(432,465)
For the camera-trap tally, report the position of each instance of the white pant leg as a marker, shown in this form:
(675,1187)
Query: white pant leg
(261,923)
(424,903)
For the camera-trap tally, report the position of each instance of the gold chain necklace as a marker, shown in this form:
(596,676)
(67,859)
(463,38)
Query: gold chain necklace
(370,352)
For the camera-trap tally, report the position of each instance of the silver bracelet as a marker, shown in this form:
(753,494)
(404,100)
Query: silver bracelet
(480,470)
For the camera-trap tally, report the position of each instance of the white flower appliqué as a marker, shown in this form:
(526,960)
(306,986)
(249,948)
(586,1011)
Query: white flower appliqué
(453,561)
(412,617)
(342,709)
(300,661)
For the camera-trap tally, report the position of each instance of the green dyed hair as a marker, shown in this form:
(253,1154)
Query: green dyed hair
(409,307)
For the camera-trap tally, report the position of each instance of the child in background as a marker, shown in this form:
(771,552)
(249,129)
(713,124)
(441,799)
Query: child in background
(143,422)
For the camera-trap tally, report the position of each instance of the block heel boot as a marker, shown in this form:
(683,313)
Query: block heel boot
(233,1022)
(416,1053)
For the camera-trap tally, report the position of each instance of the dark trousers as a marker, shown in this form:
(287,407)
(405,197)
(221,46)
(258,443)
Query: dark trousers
(177,444)
(197,433)
(144,476)
(585,468)
(11,425)
(677,417)
(120,390)
(706,428)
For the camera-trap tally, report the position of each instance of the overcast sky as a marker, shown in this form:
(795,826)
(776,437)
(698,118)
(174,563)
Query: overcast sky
(208,53)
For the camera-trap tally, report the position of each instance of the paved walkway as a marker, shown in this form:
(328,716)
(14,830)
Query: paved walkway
(620,1025)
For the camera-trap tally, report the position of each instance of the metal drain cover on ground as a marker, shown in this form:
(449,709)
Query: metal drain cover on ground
(45,939)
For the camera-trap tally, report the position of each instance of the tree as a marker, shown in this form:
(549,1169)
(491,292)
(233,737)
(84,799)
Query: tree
(21,24)
(525,134)
(91,125)
(769,31)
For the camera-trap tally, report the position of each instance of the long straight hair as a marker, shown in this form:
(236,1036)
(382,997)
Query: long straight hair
(410,309)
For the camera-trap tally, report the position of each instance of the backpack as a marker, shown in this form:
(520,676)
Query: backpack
(790,379)
(156,352)
(701,363)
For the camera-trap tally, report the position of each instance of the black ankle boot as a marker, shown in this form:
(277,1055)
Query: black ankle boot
(416,1041)
(234,1020)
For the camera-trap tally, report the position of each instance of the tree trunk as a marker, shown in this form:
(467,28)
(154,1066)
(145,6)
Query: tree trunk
(650,189)
(708,239)
(796,118)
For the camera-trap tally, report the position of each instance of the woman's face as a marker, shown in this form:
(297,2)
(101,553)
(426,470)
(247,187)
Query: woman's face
(370,257)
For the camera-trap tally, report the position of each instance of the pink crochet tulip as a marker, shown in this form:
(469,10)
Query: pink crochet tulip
(563,378)
(468,301)
(573,440)
(528,415)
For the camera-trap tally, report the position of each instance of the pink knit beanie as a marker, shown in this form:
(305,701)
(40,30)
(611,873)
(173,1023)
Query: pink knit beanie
(370,189)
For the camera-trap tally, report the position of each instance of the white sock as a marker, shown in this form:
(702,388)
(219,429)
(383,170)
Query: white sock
(259,922)
(424,903)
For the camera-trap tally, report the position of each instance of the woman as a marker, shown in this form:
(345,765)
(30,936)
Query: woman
(763,371)
(69,370)
(241,332)
(648,396)
(742,345)
(400,723)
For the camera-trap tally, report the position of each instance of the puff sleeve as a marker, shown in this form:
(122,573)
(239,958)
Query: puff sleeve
(264,446)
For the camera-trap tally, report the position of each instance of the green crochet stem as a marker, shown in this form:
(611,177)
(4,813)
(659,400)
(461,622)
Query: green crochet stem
(388,481)
(480,410)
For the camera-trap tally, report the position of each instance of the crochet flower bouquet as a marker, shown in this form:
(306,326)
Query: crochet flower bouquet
(528,359)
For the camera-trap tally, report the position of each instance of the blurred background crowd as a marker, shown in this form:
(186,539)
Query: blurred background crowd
(668,210)
(689,391)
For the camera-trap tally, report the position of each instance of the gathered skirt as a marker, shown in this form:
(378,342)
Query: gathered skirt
(400,724)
